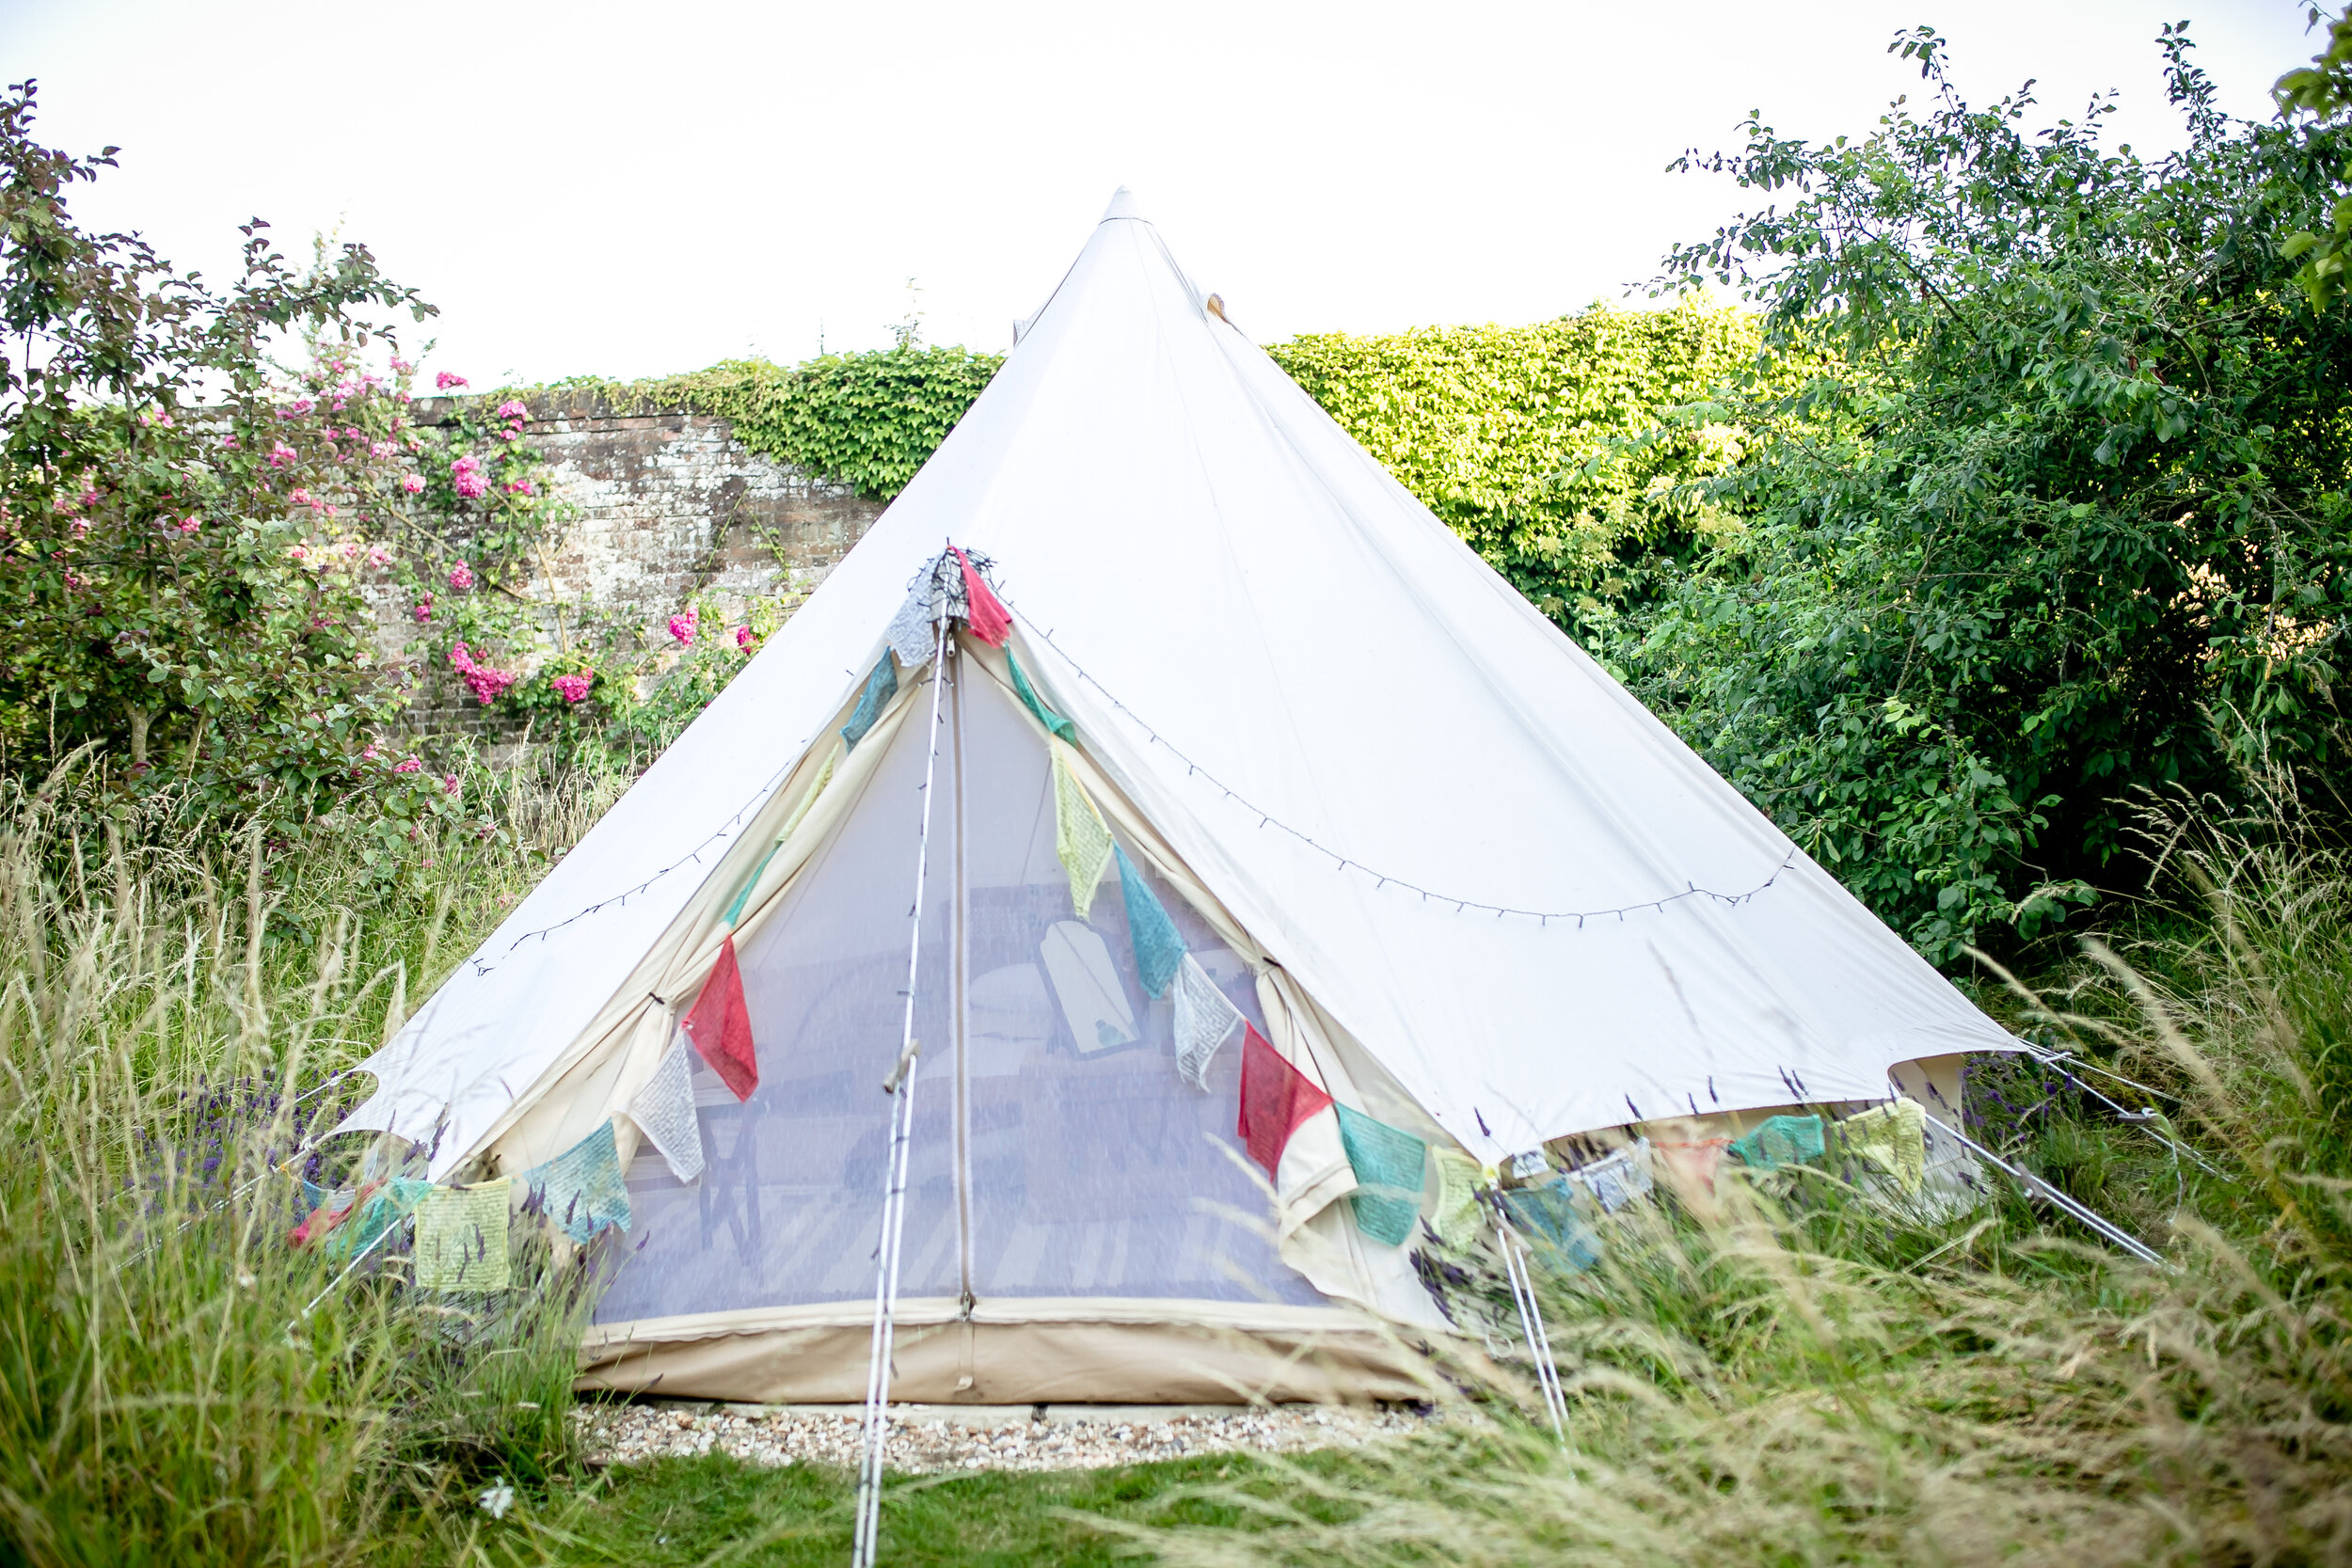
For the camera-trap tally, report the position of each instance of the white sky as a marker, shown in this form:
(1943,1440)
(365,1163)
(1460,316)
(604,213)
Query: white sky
(627,189)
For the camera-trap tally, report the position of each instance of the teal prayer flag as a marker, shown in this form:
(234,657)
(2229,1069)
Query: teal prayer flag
(1546,1216)
(1388,1162)
(881,687)
(1781,1141)
(1158,947)
(1054,723)
(582,1189)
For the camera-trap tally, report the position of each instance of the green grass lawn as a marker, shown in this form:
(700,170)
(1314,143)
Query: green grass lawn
(716,1510)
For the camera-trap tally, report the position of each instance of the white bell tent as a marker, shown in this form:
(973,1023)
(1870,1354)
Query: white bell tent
(1450,873)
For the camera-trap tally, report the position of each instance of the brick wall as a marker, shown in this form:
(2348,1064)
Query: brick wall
(666,505)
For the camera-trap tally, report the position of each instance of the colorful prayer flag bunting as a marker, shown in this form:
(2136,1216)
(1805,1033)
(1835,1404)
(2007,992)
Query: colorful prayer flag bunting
(1780,1141)
(1459,1180)
(986,614)
(721,1026)
(1894,1137)
(913,632)
(881,687)
(1080,837)
(1054,723)
(1274,1098)
(1546,1215)
(392,1203)
(461,1238)
(1158,947)
(1388,1162)
(1616,1180)
(664,1109)
(1204,1017)
(581,1189)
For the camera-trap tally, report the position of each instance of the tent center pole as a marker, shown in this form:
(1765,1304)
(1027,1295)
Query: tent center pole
(960,1003)
(900,1083)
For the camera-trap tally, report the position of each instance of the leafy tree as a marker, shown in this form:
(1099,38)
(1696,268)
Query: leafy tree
(2069,479)
(2323,89)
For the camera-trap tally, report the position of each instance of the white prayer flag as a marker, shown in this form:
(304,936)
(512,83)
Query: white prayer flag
(1204,1017)
(665,1109)
(911,631)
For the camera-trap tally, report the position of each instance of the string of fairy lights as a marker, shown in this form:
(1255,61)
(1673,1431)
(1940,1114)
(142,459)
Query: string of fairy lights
(1381,881)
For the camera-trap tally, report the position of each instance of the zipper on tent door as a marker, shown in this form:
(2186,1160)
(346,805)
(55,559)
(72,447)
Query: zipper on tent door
(959,1005)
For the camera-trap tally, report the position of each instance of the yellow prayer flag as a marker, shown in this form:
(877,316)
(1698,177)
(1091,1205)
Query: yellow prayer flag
(461,1239)
(1080,837)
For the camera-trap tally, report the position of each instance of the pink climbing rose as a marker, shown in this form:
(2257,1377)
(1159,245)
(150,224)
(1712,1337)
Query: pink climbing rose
(408,765)
(425,609)
(461,577)
(486,684)
(742,637)
(510,409)
(379,449)
(575,687)
(413,483)
(682,625)
(521,487)
(444,381)
(449,783)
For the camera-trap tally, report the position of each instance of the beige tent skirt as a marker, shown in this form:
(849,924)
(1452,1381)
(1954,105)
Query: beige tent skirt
(1045,1351)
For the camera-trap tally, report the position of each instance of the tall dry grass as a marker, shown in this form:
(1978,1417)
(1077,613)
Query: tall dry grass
(176,1015)
(1808,1377)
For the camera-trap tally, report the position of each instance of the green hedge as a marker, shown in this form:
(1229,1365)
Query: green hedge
(1540,445)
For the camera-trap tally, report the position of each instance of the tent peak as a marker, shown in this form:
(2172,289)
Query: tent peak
(1123,205)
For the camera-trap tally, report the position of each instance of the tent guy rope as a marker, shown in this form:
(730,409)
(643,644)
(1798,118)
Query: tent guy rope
(1381,880)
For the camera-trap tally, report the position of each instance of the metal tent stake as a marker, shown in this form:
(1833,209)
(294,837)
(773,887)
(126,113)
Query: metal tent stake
(901,1083)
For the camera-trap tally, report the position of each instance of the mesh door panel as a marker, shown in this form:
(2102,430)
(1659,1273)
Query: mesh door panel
(790,1209)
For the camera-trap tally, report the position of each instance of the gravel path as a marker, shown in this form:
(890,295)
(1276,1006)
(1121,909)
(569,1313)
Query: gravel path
(925,1440)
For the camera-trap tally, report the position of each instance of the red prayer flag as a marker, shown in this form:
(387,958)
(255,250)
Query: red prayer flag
(985,613)
(1276,1098)
(721,1026)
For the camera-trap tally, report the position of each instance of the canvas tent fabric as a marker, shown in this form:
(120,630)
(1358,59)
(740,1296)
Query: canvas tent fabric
(1558,921)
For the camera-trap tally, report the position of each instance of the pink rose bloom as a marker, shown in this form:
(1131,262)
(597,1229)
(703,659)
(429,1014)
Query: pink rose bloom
(230,442)
(300,552)
(351,547)
(408,765)
(368,756)
(682,626)
(189,525)
(299,497)
(508,433)
(379,555)
(425,609)
(380,449)
(742,637)
(461,579)
(300,406)
(444,381)
(413,483)
(327,509)
(521,487)
(575,687)
(473,486)
(89,498)
(510,409)
(449,783)
(280,454)
(402,367)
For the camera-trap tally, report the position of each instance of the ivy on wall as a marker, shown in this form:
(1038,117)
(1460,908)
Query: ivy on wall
(864,420)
